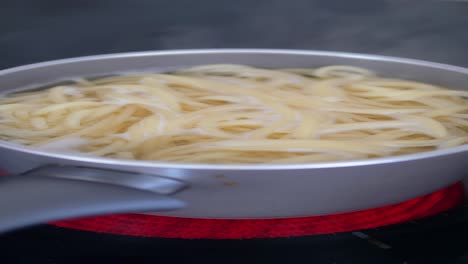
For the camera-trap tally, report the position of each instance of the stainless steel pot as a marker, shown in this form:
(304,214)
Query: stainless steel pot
(49,186)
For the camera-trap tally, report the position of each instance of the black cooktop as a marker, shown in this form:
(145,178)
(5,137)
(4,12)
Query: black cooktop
(32,31)
(437,239)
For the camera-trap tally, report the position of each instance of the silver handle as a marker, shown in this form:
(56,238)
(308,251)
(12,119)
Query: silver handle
(55,193)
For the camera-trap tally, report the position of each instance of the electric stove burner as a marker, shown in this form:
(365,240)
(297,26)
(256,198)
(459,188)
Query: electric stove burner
(436,239)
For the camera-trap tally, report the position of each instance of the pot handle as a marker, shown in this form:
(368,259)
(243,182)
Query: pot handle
(56,193)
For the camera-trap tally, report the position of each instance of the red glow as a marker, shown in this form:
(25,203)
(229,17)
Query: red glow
(172,227)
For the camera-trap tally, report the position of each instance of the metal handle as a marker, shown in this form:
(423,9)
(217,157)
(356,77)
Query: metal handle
(56,193)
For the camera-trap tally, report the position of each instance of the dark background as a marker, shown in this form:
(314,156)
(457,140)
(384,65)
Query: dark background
(40,30)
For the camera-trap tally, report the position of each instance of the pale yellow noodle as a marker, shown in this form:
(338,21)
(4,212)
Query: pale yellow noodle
(239,114)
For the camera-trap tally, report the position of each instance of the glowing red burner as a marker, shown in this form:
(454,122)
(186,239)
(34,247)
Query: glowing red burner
(172,227)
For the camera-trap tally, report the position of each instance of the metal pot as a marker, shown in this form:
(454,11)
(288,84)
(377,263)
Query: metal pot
(50,186)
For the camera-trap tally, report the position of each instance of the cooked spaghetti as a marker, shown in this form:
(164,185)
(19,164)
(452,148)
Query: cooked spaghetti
(239,114)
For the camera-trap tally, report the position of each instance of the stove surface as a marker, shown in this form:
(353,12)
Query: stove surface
(437,239)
